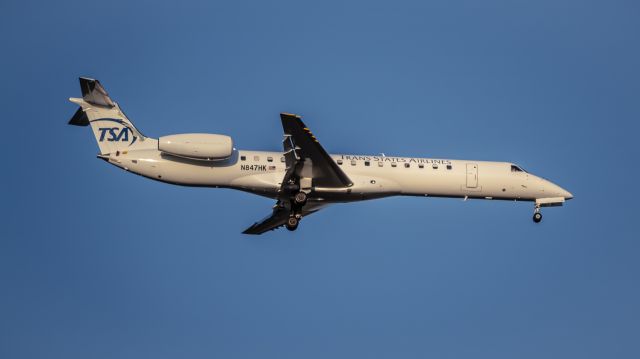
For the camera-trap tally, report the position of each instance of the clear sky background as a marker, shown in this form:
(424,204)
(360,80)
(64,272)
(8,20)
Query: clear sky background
(99,263)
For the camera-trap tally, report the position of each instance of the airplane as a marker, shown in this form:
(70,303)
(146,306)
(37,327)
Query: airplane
(303,178)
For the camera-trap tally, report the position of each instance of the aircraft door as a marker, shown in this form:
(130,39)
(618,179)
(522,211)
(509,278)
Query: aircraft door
(472,175)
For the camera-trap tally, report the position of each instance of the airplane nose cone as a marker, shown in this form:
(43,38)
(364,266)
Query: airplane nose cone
(557,191)
(567,195)
(564,193)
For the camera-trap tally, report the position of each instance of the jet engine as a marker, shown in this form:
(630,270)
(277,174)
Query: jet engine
(197,146)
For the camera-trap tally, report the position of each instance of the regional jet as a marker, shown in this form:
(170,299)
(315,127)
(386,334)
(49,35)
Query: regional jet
(302,178)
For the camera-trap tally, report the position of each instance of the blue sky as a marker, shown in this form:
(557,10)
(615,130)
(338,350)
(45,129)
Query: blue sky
(98,263)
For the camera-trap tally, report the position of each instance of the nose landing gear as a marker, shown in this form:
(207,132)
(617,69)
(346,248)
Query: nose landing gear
(537,216)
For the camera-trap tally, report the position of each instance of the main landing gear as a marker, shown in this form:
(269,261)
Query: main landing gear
(537,216)
(300,198)
(298,201)
(292,223)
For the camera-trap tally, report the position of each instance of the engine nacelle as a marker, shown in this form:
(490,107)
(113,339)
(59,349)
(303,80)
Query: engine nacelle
(198,146)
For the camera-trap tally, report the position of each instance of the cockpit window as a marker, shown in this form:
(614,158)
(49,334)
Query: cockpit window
(515,168)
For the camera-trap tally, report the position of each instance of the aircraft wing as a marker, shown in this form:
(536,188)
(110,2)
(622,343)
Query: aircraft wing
(279,217)
(305,157)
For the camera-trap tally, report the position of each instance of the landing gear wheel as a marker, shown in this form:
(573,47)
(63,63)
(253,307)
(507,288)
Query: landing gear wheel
(537,217)
(292,223)
(300,198)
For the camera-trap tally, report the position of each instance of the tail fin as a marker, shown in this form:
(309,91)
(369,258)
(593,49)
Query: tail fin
(111,127)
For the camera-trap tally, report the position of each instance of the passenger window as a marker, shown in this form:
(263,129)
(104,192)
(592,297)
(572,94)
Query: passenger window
(435,166)
(407,165)
(256,158)
(340,162)
(243,158)
(449,167)
(366,163)
(420,165)
(282,159)
(353,162)
(269,159)
(380,164)
(393,164)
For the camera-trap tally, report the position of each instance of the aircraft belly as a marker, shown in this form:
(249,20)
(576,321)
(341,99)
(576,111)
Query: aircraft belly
(258,183)
(153,164)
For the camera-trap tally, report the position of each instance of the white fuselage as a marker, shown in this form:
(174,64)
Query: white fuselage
(261,172)
(303,177)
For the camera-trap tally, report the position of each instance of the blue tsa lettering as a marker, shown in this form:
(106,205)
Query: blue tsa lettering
(114,135)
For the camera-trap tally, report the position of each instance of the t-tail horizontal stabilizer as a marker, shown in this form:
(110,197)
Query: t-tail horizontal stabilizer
(111,127)
(94,93)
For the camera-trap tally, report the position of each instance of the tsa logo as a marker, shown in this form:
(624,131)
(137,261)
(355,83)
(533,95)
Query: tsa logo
(116,134)
(112,134)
